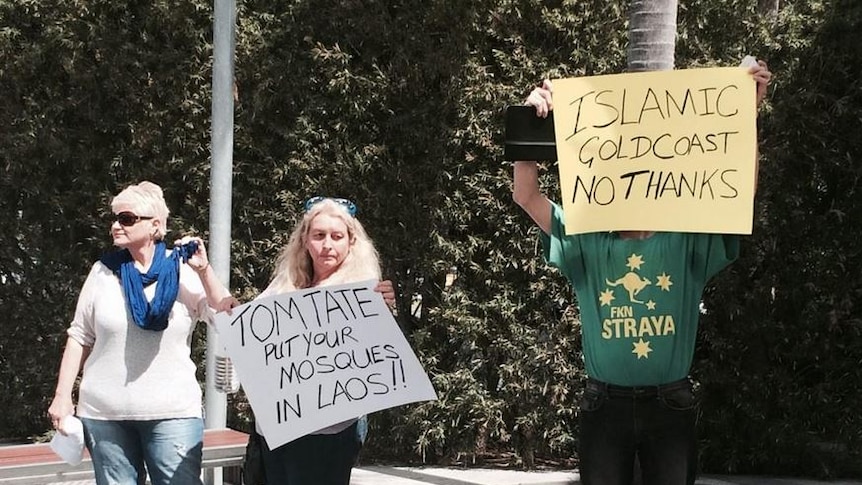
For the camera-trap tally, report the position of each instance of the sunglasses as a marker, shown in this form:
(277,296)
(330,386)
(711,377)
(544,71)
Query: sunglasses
(127,219)
(348,205)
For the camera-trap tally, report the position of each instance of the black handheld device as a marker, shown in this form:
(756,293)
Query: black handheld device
(529,137)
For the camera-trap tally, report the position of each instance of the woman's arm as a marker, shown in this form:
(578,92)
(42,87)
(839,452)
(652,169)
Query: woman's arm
(73,360)
(218,297)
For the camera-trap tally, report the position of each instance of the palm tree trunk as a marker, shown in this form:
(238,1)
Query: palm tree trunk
(652,35)
(768,7)
(652,38)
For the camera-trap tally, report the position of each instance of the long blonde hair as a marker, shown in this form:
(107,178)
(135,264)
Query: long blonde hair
(294,269)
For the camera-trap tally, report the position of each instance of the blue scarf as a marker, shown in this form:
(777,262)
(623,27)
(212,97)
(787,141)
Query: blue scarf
(164,269)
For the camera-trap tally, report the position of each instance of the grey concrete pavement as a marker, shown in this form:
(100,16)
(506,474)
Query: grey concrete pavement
(380,475)
(388,475)
(743,480)
(369,475)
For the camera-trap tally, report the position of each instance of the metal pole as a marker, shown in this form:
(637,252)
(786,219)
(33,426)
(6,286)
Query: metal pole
(215,403)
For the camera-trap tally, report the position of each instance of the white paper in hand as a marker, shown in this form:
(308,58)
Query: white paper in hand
(70,447)
(748,61)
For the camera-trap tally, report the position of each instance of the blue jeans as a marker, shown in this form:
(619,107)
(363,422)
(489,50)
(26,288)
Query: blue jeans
(123,452)
(315,459)
(654,423)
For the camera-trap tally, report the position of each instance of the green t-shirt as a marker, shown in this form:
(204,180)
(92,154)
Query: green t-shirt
(639,299)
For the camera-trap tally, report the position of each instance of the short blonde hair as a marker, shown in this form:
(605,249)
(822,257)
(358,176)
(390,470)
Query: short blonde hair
(146,199)
(294,269)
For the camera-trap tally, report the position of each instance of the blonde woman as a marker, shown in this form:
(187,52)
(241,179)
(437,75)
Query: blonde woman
(139,398)
(329,246)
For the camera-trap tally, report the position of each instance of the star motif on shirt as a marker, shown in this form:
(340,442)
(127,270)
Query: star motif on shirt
(650,305)
(664,282)
(642,349)
(606,297)
(635,261)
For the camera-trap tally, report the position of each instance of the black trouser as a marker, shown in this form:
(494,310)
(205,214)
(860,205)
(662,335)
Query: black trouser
(315,459)
(654,423)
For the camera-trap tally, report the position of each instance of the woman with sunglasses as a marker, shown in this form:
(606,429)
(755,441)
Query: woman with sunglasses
(329,246)
(139,398)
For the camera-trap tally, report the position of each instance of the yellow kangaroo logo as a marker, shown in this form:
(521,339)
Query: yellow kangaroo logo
(632,283)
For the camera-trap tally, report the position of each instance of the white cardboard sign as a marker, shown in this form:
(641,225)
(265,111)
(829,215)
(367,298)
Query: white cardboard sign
(316,357)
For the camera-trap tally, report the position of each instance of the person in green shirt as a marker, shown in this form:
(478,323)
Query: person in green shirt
(639,295)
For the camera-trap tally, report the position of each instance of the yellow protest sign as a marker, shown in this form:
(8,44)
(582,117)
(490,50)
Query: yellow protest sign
(663,151)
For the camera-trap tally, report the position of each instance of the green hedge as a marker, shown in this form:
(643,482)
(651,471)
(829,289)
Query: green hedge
(398,105)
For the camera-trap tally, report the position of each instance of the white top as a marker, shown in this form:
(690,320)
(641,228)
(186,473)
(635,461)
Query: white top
(132,373)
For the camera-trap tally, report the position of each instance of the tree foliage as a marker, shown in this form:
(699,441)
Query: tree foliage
(398,105)
(781,352)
